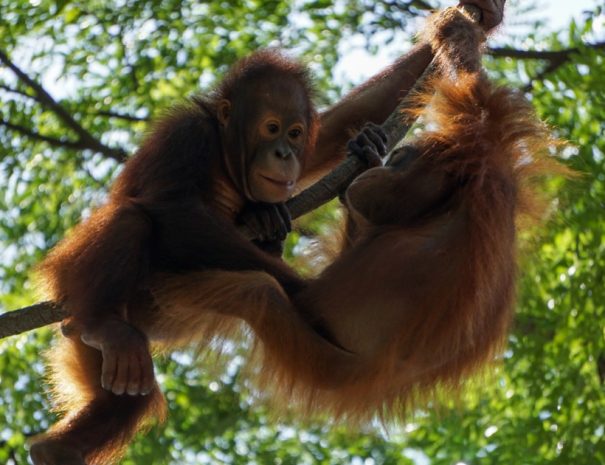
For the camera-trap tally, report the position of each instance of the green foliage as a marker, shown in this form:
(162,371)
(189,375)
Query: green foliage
(113,65)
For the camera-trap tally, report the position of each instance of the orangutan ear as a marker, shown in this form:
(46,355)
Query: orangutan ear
(223,111)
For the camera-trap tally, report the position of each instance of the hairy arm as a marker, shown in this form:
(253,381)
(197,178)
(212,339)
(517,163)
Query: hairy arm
(374,100)
(189,236)
(95,273)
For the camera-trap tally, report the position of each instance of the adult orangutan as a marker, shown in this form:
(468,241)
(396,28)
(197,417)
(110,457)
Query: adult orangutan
(173,209)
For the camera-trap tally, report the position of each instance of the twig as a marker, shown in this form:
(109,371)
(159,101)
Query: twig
(48,101)
(548,55)
(124,116)
(12,90)
(555,58)
(75,145)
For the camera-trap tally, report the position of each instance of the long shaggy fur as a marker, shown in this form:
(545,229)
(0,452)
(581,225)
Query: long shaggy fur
(91,415)
(446,31)
(489,141)
(103,267)
(442,285)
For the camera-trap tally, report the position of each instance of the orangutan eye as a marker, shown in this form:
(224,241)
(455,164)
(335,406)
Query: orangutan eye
(273,128)
(294,133)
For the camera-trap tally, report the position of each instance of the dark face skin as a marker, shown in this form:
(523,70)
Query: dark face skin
(275,137)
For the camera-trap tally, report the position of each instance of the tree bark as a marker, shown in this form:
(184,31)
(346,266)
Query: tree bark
(32,317)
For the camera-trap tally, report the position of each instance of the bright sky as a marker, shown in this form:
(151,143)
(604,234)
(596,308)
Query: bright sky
(560,12)
(357,65)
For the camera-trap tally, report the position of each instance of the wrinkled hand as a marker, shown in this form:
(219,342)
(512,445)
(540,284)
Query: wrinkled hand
(369,145)
(266,221)
(127,363)
(492,11)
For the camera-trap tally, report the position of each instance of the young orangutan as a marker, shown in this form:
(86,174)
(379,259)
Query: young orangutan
(174,207)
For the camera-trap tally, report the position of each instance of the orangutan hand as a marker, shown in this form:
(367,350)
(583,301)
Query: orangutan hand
(492,11)
(127,363)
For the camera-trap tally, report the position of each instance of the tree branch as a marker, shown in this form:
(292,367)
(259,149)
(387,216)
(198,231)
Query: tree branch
(42,96)
(421,4)
(32,317)
(107,113)
(124,116)
(548,55)
(16,91)
(552,66)
(62,143)
(555,58)
(327,188)
(46,98)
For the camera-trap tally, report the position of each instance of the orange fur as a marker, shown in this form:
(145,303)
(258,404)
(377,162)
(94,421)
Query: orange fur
(74,374)
(422,299)
(446,31)
(173,207)
(423,294)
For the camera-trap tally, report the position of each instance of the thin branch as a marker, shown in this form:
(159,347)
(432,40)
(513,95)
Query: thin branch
(422,5)
(62,143)
(555,58)
(406,7)
(124,116)
(16,91)
(108,113)
(395,127)
(553,66)
(48,101)
(548,55)
(46,98)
